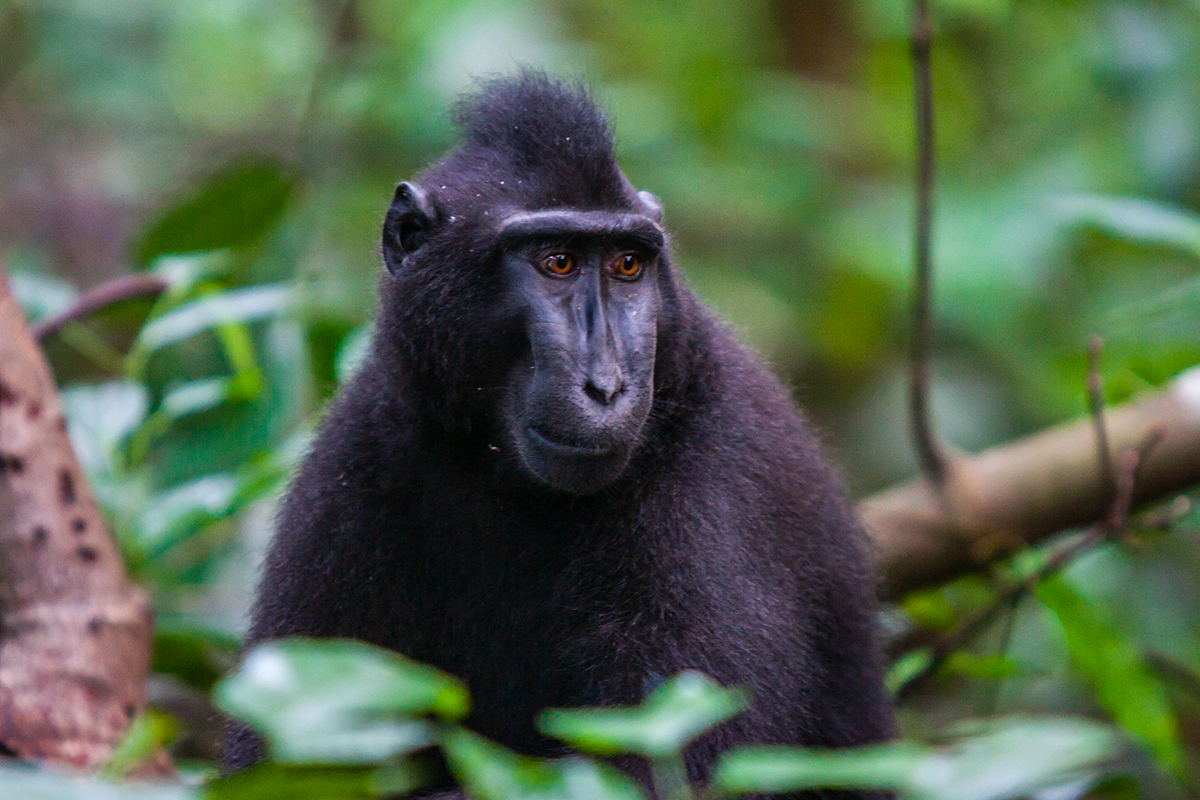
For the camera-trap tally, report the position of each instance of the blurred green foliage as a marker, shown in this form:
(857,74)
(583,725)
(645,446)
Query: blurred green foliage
(245,151)
(335,699)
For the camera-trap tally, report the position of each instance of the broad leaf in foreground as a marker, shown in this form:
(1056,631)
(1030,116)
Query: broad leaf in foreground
(490,772)
(673,715)
(1006,759)
(338,701)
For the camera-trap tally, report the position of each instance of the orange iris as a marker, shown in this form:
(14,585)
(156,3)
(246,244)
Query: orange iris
(628,266)
(559,264)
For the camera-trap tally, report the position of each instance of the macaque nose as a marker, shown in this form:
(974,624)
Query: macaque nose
(605,388)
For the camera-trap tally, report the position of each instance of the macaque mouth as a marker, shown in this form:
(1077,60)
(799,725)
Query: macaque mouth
(560,448)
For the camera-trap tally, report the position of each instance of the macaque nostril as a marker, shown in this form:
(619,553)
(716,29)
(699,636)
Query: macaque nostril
(604,393)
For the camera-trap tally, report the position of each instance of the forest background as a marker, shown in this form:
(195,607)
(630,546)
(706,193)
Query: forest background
(243,154)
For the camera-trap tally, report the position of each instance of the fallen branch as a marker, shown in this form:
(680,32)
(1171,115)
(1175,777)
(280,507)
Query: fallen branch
(75,633)
(1021,493)
(1111,525)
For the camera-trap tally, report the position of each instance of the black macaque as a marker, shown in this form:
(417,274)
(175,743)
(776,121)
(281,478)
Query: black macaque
(559,477)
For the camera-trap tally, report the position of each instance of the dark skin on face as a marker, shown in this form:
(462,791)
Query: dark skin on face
(577,401)
(585,285)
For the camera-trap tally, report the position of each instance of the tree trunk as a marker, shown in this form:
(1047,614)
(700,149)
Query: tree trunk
(75,634)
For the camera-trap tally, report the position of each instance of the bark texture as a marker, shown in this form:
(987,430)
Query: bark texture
(1025,491)
(75,635)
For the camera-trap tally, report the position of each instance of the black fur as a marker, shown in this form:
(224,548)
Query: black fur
(726,545)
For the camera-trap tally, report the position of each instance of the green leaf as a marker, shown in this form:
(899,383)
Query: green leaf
(991,667)
(788,769)
(490,772)
(1136,220)
(307,782)
(100,416)
(196,397)
(237,305)
(173,516)
(1015,757)
(1122,682)
(990,761)
(41,296)
(677,712)
(338,701)
(197,655)
(907,667)
(353,353)
(29,783)
(930,609)
(234,208)
(149,731)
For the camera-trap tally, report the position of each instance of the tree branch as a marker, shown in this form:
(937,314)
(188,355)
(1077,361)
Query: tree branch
(929,451)
(1112,524)
(1023,492)
(126,287)
(1096,403)
(75,633)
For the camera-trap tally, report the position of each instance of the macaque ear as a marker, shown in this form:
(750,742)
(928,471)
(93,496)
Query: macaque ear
(410,220)
(651,206)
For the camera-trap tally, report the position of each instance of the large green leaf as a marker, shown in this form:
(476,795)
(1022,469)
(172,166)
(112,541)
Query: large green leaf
(1123,684)
(212,311)
(991,761)
(149,731)
(195,654)
(338,701)
(1136,220)
(41,296)
(174,515)
(28,783)
(234,208)
(99,418)
(308,782)
(490,772)
(677,712)
(787,769)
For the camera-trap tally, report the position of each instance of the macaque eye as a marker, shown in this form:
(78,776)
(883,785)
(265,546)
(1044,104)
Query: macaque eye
(627,266)
(558,264)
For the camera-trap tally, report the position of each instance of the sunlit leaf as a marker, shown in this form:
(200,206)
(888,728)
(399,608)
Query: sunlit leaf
(169,517)
(195,654)
(1167,315)
(232,209)
(930,609)
(149,731)
(993,666)
(1122,682)
(338,701)
(41,295)
(989,761)
(1015,757)
(29,783)
(673,715)
(100,416)
(352,353)
(907,667)
(786,769)
(183,272)
(307,782)
(172,515)
(1136,220)
(237,305)
(195,397)
(490,772)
